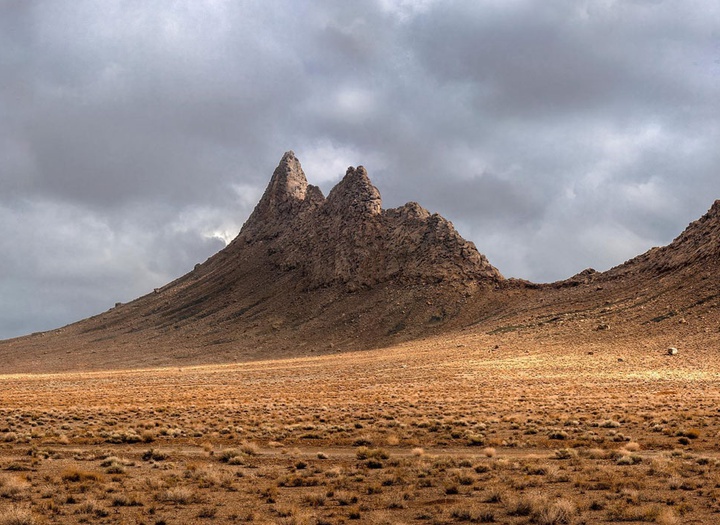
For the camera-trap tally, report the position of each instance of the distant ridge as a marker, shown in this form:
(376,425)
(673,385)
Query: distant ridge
(698,245)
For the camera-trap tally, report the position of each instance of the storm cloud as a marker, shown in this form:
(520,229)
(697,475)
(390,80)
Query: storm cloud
(136,137)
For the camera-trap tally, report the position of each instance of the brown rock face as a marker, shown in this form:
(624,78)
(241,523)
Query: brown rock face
(348,239)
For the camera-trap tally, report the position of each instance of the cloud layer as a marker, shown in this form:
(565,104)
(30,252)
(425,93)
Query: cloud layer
(135,137)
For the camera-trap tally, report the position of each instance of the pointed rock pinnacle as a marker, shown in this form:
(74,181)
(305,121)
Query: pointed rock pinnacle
(355,194)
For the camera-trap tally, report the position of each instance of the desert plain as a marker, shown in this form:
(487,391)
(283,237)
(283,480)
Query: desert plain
(510,427)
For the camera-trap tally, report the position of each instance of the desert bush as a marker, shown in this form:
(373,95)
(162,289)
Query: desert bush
(565,453)
(123,500)
(13,488)
(228,454)
(207,512)
(314,500)
(76,475)
(558,512)
(17,516)
(179,495)
(250,449)
(622,512)
(154,455)
(522,505)
(475,440)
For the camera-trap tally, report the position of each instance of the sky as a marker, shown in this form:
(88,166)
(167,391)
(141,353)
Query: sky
(136,137)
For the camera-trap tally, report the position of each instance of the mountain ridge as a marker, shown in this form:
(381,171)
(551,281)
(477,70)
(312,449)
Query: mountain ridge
(310,274)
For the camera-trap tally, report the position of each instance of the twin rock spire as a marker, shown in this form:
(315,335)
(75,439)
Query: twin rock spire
(348,239)
(290,193)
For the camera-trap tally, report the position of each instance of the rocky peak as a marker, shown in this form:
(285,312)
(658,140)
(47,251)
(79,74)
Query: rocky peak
(355,194)
(287,195)
(287,186)
(349,240)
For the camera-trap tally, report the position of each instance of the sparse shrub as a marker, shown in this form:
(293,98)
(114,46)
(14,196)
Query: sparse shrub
(314,500)
(115,468)
(629,459)
(179,495)
(494,495)
(521,506)
(559,512)
(475,440)
(344,499)
(620,513)
(461,514)
(667,517)
(17,516)
(250,449)
(123,500)
(207,512)
(558,434)
(76,475)
(154,455)
(226,455)
(373,464)
(14,488)
(565,453)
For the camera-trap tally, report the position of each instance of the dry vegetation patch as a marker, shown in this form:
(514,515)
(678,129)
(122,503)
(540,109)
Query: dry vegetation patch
(436,432)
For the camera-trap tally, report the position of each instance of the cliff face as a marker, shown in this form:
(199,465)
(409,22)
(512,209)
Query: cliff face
(348,239)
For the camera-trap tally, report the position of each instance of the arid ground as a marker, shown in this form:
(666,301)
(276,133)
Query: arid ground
(502,428)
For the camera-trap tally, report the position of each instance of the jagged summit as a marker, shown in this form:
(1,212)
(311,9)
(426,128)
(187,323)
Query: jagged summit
(348,239)
(355,194)
(286,195)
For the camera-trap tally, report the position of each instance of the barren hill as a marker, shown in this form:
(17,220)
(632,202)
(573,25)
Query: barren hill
(309,273)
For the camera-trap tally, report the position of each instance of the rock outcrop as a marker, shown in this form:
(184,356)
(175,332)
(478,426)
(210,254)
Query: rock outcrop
(347,239)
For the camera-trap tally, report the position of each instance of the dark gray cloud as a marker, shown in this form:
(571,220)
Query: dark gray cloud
(135,137)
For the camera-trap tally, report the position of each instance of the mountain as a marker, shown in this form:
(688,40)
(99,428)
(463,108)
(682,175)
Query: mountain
(306,273)
(347,239)
(312,274)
